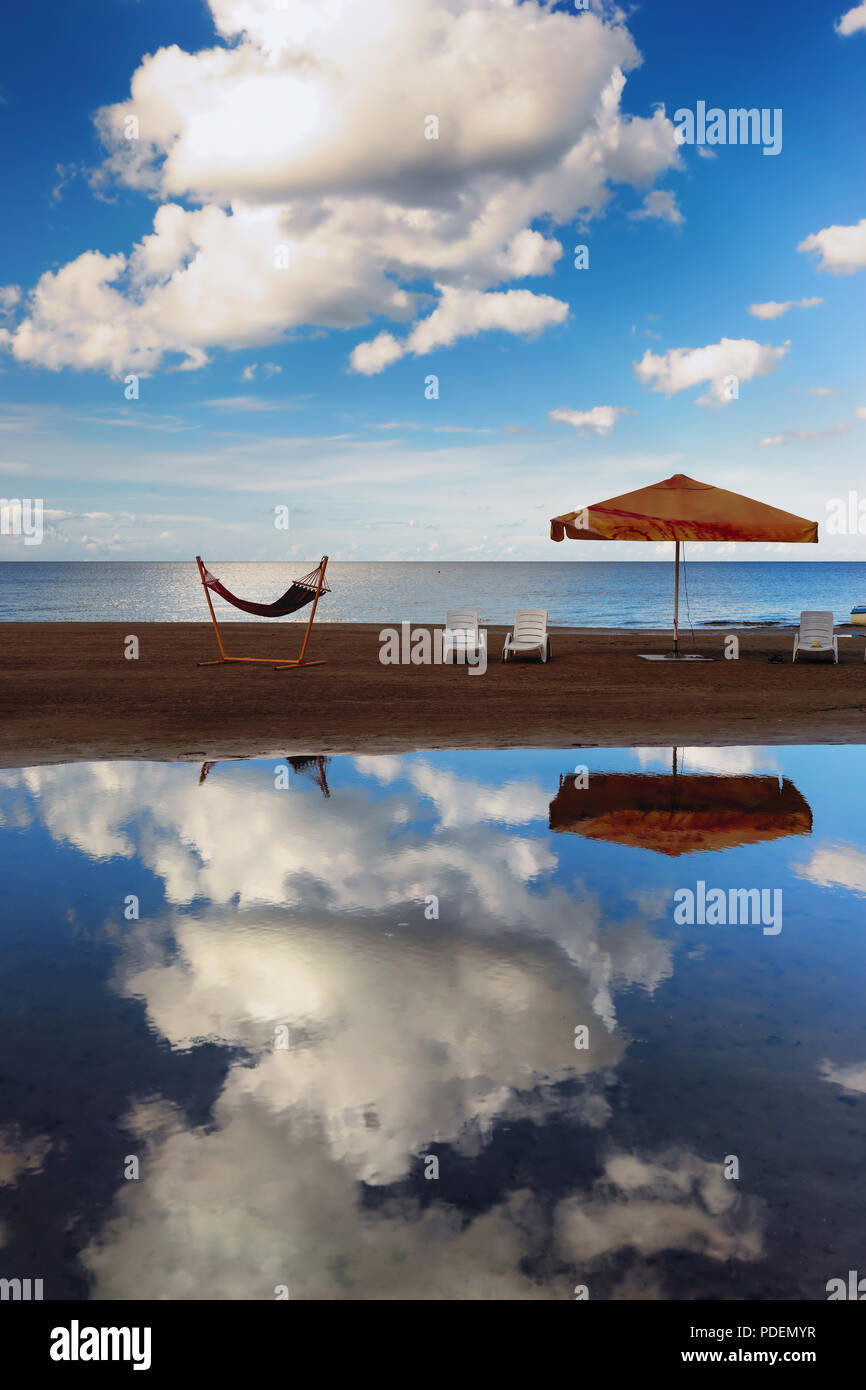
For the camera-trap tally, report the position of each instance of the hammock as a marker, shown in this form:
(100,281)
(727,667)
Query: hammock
(308,589)
(298,594)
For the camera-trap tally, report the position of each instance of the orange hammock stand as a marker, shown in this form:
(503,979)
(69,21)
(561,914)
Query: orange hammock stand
(311,587)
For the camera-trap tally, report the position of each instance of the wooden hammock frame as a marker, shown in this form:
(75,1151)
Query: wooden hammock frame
(280,663)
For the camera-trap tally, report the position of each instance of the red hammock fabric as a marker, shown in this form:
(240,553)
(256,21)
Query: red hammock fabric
(301,592)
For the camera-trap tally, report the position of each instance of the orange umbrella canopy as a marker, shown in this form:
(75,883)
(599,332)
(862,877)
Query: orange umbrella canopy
(677,815)
(681,509)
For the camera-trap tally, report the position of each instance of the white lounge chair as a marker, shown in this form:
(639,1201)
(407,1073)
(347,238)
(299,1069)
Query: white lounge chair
(815,635)
(461,636)
(530,635)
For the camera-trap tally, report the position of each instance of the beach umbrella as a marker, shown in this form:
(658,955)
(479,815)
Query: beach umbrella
(679,814)
(680,509)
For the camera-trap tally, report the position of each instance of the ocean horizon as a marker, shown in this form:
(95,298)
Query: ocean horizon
(576,593)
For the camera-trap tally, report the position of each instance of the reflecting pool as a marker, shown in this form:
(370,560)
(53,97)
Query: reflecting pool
(466,1025)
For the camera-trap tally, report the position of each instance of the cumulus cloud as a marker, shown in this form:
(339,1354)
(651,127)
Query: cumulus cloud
(10,297)
(312,195)
(840,250)
(599,420)
(462,314)
(773,309)
(659,204)
(682,368)
(852,20)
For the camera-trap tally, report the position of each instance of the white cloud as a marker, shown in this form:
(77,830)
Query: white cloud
(852,21)
(10,296)
(599,420)
(249,403)
(772,309)
(841,250)
(821,391)
(461,314)
(831,432)
(682,368)
(284,139)
(659,204)
(377,354)
(860,412)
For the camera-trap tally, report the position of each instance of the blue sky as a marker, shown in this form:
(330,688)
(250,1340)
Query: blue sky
(304,386)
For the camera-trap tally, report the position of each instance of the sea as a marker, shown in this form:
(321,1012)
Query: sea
(633,594)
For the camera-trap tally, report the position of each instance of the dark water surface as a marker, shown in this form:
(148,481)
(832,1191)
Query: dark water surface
(289,1042)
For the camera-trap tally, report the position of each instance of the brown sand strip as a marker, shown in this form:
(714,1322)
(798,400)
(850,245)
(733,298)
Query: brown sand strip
(66,692)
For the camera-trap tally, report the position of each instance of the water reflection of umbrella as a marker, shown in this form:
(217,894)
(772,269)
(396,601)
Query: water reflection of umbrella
(680,814)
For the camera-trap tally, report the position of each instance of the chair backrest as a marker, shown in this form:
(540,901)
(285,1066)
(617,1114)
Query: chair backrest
(816,625)
(530,625)
(461,620)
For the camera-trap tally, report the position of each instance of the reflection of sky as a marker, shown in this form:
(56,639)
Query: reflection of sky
(265,907)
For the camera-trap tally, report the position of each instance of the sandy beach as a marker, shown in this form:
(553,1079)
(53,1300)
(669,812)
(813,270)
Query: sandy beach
(68,693)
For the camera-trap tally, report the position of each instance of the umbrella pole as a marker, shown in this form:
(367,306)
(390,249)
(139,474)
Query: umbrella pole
(677,601)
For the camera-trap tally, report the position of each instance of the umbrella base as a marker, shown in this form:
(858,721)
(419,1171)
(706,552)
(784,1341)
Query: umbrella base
(672,656)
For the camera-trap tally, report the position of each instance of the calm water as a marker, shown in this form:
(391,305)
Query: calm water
(575,593)
(328,1086)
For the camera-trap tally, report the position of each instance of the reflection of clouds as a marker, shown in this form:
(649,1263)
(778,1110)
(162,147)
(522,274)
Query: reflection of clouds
(431,1037)
(725,761)
(240,840)
(678,1202)
(851,1078)
(15,813)
(19,1155)
(430,1033)
(461,800)
(254,1201)
(394,1042)
(233,1211)
(86,804)
(831,866)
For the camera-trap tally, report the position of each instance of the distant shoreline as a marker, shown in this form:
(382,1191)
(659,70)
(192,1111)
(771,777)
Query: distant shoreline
(67,693)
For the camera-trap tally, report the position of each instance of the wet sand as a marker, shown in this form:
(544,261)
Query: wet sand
(67,692)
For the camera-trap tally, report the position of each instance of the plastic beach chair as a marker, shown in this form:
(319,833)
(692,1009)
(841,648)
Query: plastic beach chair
(815,635)
(529,636)
(461,636)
